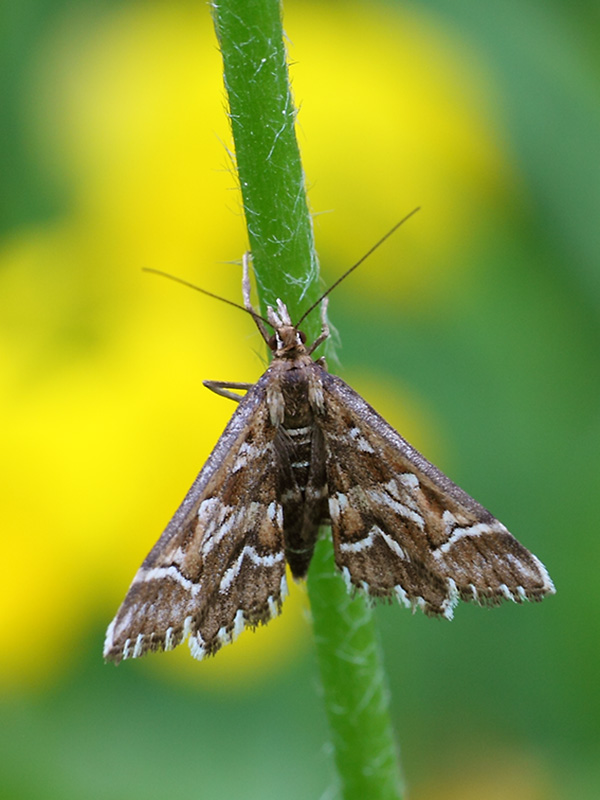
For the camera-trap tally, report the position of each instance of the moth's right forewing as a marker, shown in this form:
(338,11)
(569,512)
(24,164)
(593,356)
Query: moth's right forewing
(402,528)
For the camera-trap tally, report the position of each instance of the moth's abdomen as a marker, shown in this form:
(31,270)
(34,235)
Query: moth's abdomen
(300,444)
(303,492)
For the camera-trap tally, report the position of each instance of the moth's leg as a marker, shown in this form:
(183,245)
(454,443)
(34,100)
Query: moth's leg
(246,281)
(222,388)
(246,294)
(324,327)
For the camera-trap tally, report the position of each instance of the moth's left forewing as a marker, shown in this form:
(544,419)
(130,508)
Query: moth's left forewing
(402,528)
(219,566)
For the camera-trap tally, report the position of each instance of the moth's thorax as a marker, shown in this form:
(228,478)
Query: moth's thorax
(295,393)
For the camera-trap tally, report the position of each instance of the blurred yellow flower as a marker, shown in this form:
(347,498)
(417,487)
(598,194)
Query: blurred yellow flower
(494,775)
(106,419)
(395,113)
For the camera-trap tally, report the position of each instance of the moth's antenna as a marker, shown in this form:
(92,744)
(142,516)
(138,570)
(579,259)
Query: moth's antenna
(358,263)
(253,314)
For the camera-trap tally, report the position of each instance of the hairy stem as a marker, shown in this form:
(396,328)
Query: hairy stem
(355,684)
(267,156)
(280,233)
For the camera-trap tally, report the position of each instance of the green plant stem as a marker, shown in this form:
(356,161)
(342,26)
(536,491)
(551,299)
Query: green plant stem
(280,233)
(355,684)
(268,159)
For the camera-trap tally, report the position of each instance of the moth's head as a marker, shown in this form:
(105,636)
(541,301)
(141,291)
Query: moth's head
(287,341)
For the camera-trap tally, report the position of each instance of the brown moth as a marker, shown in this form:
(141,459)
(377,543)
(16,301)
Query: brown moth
(303,450)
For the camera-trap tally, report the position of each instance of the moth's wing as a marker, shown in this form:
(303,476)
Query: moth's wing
(401,528)
(219,566)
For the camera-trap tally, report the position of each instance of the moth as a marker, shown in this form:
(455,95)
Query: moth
(304,450)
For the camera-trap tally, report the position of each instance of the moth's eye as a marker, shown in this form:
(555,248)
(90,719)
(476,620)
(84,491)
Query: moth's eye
(272,343)
(302,336)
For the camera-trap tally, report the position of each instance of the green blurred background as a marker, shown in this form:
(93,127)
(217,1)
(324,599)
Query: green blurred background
(475,332)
